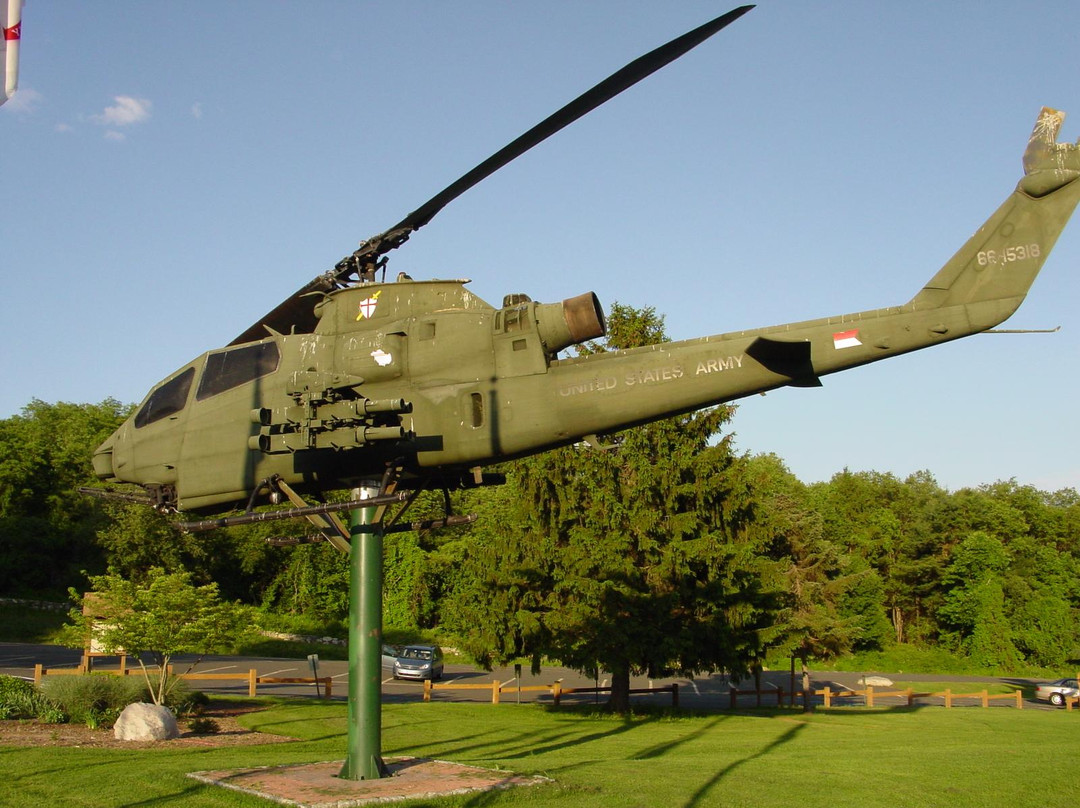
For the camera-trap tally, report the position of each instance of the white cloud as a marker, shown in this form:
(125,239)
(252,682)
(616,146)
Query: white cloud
(112,134)
(127,111)
(25,100)
(63,127)
(196,110)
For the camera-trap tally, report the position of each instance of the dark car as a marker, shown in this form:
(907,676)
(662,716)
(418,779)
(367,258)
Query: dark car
(1057,691)
(419,662)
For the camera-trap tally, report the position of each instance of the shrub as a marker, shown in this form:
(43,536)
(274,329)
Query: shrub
(182,700)
(204,726)
(20,699)
(10,685)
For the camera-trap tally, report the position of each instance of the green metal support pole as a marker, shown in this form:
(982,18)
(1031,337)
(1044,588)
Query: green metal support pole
(364,758)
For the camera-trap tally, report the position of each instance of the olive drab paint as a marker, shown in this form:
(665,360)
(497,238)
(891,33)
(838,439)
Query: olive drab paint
(428,374)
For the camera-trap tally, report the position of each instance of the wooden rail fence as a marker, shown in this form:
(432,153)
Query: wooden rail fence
(870,695)
(556,690)
(251,677)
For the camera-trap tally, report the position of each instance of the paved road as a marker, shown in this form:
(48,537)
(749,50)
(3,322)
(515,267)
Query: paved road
(19,660)
(708,692)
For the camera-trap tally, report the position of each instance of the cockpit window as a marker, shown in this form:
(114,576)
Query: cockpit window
(168,399)
(230,369)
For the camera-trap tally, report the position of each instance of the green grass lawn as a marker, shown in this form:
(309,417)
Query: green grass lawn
(26,624)
(841,757)
(957,687)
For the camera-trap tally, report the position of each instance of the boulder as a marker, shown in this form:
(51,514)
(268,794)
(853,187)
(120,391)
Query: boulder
(877,681)
(145,722)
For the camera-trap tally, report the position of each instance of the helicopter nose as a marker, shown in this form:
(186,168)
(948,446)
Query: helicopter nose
(103,461)
(111,458)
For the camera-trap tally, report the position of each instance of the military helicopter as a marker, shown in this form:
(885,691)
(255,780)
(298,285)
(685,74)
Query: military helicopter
(421,384)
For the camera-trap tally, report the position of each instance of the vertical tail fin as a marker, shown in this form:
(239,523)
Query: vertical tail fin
(1000,262)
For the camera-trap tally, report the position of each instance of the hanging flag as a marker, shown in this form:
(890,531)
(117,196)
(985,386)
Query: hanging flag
(11,22)
(846,339)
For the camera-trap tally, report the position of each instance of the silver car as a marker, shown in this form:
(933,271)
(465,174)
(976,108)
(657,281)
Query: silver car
(419,662)
(390,655)
(1057,691)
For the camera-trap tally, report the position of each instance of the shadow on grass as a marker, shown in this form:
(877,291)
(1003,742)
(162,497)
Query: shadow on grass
(659,750)
(482,744)
(181,797)
(1026,686)
(711,783)
(638,719)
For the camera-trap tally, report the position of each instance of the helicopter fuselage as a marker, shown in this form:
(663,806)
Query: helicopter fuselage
(429,378)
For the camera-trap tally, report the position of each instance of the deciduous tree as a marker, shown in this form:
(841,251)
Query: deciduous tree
(47,529)
(162,615)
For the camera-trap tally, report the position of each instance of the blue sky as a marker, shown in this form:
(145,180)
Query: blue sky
(173,170)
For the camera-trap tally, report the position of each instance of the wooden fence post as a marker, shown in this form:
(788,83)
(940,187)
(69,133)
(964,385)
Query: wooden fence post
(328,691)
(869,696)
(828,696)
(427,690)
(948,698)
(253,681)
(986,698)
(495,690)
(675,695)
(556,693)
(910,696)
(39,671)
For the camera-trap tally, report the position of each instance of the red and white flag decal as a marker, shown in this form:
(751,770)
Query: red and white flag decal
(846,339)
(367,306)
(11,22)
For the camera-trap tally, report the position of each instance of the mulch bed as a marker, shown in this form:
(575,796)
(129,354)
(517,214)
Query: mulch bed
(34,733)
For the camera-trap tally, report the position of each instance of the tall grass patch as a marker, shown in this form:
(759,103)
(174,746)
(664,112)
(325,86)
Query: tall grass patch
(93,699)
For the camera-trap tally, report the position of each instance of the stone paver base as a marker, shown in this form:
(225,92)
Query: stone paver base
(316,785)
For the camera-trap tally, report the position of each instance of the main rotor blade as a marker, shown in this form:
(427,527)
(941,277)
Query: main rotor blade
(607,89)
(296,312)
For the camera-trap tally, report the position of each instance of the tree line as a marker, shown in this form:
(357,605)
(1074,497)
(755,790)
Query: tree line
(666,551)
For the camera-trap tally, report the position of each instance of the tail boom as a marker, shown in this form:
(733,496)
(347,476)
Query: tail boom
(980,287)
